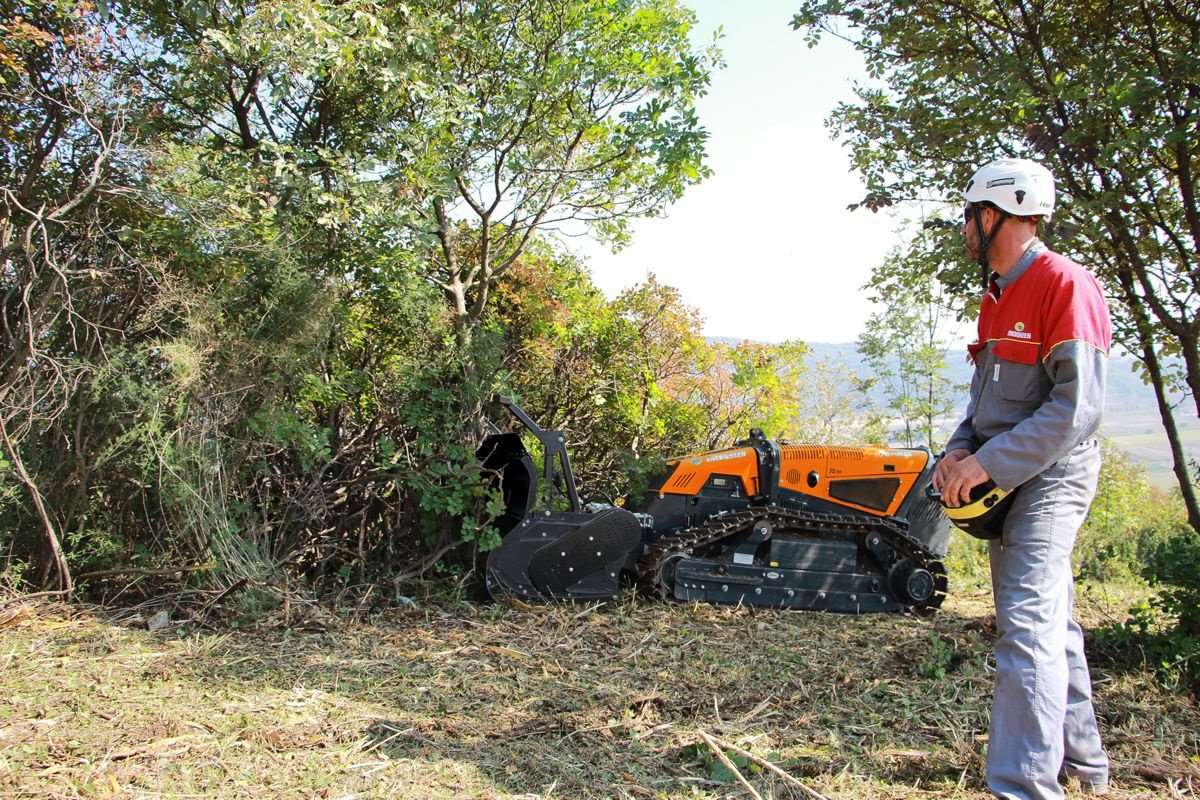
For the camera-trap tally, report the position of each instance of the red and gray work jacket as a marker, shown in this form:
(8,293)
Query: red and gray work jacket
(1041,360)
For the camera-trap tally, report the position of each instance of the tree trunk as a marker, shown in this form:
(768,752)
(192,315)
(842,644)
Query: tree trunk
(1127,273)
(1179,460)
(57,559)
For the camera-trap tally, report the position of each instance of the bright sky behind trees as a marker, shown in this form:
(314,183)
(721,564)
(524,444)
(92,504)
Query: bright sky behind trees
(765,248)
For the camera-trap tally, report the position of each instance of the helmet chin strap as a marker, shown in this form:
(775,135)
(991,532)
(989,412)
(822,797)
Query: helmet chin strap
(985,241)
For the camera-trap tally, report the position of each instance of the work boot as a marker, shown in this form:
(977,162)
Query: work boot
(1088,789)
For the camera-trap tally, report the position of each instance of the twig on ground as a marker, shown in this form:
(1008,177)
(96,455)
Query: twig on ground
(767,765)
(22,598)
(729,765)
(238,584)
(108,573)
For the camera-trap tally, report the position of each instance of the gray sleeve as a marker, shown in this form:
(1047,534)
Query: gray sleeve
(1068,416)
(963,437)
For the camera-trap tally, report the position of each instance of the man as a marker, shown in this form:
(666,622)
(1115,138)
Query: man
(1036,397)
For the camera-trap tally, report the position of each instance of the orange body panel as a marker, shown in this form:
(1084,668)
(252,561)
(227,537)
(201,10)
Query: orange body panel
(692,473)
(813,470)
(801,466)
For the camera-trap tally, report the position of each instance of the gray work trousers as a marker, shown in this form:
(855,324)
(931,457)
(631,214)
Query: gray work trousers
(1042,716)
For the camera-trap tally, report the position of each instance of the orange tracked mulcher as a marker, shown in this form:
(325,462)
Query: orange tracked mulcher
(848,529)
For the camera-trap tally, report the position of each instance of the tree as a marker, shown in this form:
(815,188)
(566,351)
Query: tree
(63,279)
(564,112)
(904,348)
(1102,92)
(236,315)
(204,301)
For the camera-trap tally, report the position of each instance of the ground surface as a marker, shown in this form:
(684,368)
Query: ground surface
(557,702)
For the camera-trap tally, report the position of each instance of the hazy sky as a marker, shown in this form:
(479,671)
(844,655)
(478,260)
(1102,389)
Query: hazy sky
(765,248)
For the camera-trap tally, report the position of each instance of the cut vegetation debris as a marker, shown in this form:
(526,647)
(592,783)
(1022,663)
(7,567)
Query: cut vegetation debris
(632,700)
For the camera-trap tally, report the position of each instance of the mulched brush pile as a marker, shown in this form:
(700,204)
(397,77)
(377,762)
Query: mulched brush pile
(630,700)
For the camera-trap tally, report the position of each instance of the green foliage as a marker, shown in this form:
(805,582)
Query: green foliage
(548,113)
(248,353)
(905,347)
(942,656)
(1163,633)
(67,288)
(15,576)
(1127,522)
(1175,566)
(715,767)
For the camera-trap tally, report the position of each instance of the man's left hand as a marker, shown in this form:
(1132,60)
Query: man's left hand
(961,477)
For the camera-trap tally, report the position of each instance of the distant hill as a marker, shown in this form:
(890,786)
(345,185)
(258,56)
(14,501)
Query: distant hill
(1125,387)
(1131,417)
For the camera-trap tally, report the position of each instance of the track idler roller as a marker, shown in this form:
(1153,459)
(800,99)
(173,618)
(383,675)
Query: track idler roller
(911,583)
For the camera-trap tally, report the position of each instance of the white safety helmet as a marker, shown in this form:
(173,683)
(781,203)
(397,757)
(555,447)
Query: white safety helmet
(1019,186)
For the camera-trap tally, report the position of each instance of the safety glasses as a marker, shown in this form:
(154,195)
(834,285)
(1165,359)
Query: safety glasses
(971,210)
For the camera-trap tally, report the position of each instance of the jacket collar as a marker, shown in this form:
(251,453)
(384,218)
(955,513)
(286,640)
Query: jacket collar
(1027,258)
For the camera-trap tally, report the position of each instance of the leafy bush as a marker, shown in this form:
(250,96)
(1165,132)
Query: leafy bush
(1164,632)
(967,561)
(1175,566)
(1129,519)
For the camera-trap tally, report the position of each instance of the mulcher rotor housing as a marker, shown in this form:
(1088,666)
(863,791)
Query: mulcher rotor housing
(765,523)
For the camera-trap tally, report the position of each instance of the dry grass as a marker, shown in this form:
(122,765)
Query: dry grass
(554,702)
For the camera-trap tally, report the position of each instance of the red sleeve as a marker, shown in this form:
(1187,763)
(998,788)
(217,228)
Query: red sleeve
(1076,311)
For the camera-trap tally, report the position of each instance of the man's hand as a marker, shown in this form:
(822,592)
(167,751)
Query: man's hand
(942,470)
(956,475)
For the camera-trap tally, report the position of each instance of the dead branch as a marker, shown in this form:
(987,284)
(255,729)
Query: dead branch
(427,564)
(52,541)
(762,762)
(729,765)
(25,598)
(237,585)
(108,573)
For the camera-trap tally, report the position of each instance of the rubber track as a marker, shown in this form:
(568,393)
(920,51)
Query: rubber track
(725,525)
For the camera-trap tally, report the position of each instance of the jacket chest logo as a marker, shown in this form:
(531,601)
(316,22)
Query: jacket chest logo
(1018,331)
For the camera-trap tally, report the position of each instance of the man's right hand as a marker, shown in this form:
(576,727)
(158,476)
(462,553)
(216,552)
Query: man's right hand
(942,470)
(962,473)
